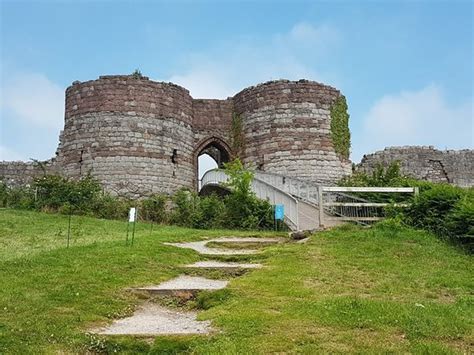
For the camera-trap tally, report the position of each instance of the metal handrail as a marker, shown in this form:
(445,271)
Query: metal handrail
(304,190)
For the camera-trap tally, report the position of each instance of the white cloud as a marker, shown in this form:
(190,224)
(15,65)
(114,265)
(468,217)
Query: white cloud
(231,66)
(421,117)
(34,99)
(10,155)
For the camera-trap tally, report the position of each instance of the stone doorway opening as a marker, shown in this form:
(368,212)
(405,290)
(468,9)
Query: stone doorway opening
(211,153)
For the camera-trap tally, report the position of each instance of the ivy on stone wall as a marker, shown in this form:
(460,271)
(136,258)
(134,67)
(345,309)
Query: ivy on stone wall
(237,135)
(341,136)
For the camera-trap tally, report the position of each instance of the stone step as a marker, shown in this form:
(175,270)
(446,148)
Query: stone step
(256,240)
(210,264)
(202,249)
(152,319)
(183,285)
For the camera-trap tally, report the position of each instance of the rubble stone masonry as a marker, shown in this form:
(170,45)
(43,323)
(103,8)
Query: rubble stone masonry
(139,137)
(426,163)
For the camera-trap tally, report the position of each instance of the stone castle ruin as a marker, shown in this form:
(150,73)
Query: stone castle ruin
(426,163)
(140,137)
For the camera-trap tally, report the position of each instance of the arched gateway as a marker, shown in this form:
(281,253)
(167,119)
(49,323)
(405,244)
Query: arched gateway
(216,148)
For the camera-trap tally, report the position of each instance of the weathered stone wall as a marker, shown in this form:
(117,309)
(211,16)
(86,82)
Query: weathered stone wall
(17,173)
(426,163)
(133,134)
(287,130)
(212,118)
(140,137)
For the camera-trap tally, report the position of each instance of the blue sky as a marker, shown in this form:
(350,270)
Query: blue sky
(406,67)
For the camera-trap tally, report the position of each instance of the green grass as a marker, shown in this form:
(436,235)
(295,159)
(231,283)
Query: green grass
(384,289)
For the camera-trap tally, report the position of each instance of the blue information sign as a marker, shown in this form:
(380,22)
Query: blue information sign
(279,212)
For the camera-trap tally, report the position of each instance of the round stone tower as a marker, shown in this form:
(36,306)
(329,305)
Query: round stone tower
(140,137)
(133,134)
(287,130)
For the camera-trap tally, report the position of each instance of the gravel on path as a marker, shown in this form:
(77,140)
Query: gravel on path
(153,319)
(185,283)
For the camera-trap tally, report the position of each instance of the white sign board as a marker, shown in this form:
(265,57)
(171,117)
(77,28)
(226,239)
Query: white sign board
(132,215)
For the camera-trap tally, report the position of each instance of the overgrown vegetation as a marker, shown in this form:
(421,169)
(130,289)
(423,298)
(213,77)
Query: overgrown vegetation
(341,136)
(446,210)
(381,176)
(137,74)
(237,135)
(387,289)
(53,193)
(241,209)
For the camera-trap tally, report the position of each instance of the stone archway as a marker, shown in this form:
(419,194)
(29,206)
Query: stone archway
(215,147)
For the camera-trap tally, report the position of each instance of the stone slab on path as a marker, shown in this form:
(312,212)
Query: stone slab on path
(247,240)
(202,248)
(184,284)
(152,319)
(210,264)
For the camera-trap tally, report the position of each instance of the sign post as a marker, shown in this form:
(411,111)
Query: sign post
(132,217)
(279,214)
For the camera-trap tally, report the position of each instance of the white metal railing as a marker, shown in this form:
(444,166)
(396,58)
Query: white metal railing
(335,204)
(304,190)
(339,203)
(263,190)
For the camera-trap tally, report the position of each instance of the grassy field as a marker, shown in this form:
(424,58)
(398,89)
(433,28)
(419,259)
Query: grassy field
(384,289)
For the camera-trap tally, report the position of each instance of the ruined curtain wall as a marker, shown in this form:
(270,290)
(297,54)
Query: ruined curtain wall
(426,163)
(18,173)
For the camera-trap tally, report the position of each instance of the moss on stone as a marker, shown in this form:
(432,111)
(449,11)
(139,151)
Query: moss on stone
(341,136)
(237,135)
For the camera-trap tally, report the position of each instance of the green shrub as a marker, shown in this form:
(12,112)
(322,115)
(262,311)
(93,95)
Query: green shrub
(240,209)
(389,176)
(243,209)
(18,197)
(184,211)
(193,211)
(431,208)
(446,210)
(110,207)
(460,221)
(53,191)
(154,209)
(3,194)
(212,213)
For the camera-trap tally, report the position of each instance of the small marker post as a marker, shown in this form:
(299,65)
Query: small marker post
(279,215)
(132,215)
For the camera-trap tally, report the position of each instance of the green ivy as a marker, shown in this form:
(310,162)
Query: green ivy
(237,135)
(341,136)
